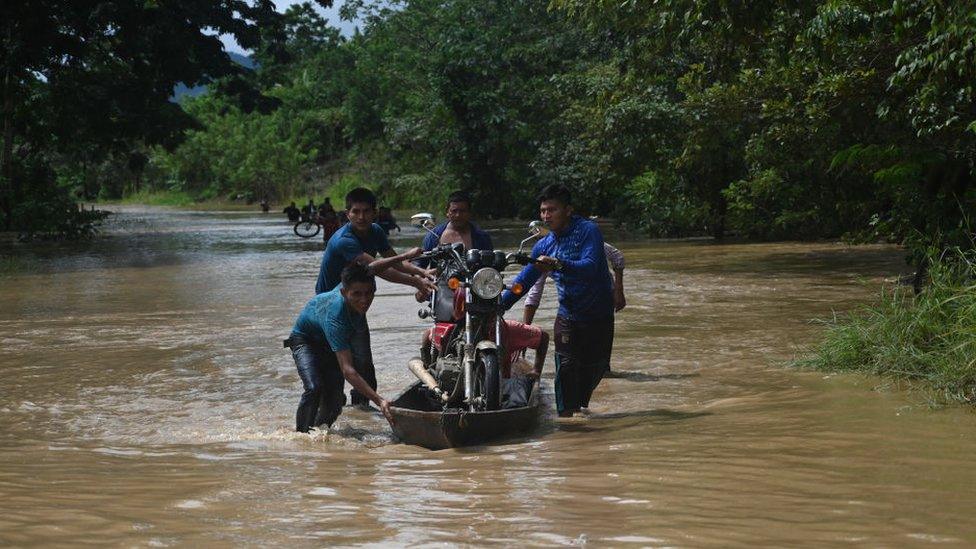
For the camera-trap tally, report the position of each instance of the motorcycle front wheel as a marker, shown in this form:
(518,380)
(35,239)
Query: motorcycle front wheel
(488,379)
(307,229)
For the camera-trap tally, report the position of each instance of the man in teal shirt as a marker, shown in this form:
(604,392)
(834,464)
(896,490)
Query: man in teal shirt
(322,343)
(364,242)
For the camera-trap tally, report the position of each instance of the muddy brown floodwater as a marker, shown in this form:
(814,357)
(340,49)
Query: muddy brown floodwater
(145,400)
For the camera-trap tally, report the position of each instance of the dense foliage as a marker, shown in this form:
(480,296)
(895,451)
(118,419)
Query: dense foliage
(86,87)
(763,119)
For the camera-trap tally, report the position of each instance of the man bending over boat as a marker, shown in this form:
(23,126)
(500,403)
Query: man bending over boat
(573,255)
(363,241)
(322,342)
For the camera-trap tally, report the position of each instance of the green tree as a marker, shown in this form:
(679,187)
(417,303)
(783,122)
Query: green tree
(85,79)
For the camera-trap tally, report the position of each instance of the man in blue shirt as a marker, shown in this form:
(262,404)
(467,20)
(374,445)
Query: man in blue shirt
(322,343)
(574,256)
(364,242)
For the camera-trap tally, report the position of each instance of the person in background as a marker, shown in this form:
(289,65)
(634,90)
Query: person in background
(329,222)
(322,344)
(364,242)
(293,213)
(309,210)
(326,206)
(573,254)
(385,219)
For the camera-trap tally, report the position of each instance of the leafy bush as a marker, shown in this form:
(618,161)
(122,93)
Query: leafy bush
(655,202)
(929,338)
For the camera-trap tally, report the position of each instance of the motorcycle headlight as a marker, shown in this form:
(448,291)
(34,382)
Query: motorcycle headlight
(487,283)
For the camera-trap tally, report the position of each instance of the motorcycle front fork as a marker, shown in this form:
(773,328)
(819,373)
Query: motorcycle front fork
(470,354)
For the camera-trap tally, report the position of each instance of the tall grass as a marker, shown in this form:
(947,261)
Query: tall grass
(927,339)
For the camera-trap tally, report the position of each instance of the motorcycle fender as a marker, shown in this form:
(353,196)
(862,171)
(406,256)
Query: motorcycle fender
(485,344)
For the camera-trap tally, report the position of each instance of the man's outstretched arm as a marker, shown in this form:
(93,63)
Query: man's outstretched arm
(359,384)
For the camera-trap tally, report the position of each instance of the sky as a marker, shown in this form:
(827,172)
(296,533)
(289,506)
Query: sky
(331,15)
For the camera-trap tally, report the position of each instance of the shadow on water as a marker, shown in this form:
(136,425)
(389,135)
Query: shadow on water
(779,260)
(601,422)
(643,376)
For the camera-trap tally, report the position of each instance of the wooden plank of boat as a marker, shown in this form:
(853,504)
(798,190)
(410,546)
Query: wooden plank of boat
(417,423)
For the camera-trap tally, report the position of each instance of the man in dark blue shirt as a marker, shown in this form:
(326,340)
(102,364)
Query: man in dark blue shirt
(323,343)
(573,253)
(364,242)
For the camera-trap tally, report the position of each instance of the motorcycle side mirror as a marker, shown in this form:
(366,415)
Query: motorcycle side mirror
(536,229)
(423,220)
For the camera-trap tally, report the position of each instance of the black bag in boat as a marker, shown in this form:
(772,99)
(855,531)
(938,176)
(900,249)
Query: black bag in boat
(515,392)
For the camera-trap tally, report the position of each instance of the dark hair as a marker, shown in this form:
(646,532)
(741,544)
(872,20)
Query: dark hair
(360,194)
(459,196)
(356,273)
(555,191)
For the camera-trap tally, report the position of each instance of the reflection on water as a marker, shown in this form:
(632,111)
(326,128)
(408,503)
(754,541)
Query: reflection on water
(145,399)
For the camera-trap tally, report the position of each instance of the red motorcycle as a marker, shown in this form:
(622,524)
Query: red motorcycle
(461,357)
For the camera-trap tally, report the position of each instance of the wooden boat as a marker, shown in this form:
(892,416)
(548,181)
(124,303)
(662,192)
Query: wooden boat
(417,421)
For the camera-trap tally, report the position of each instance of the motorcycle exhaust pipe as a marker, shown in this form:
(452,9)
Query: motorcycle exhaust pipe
(416,366)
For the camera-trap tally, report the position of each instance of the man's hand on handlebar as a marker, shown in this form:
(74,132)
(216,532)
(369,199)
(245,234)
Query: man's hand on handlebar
(547,263)
(424,287)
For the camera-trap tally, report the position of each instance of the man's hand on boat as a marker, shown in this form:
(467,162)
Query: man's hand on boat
(352,376)
(385,408)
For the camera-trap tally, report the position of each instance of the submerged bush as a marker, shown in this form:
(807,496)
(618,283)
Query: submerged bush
(928,338)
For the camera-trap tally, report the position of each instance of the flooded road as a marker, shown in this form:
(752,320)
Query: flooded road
(145,400)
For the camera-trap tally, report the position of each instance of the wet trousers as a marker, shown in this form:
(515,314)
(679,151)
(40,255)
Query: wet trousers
(318,367)
(323,398)
(582,358)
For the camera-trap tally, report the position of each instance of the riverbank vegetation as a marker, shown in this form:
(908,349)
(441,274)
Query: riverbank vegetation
(928,339)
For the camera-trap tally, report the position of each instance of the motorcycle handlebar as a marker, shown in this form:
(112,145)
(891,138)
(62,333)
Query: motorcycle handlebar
(437,251)
(524,259)
(512,258)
